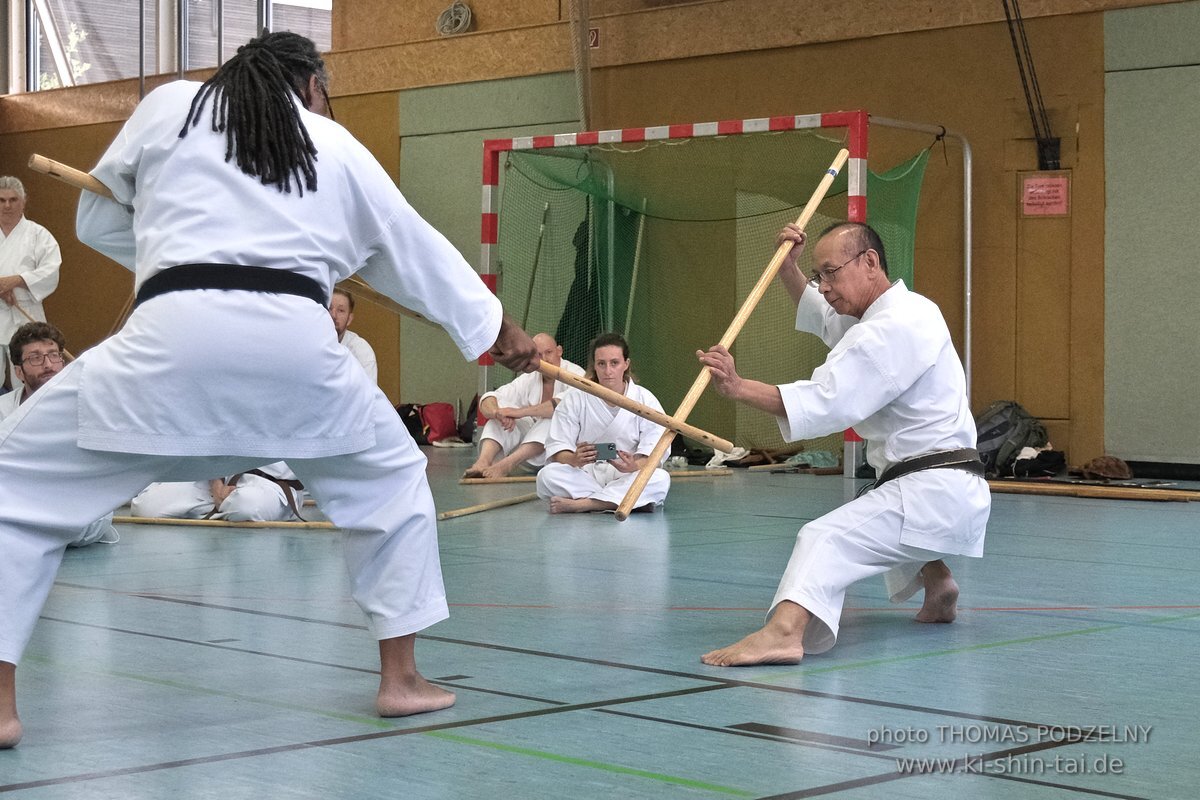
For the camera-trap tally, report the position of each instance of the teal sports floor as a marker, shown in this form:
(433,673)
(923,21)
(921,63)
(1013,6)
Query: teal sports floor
(189,662)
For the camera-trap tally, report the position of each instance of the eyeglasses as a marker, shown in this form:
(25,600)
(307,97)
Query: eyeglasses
(37,359)
(827,275)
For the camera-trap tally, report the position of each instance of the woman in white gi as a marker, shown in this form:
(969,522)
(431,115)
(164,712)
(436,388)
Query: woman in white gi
(29,264)
(893,376)
(239,206)
(575,478)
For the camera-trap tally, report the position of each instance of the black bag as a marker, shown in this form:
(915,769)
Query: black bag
(1005,428)
(466,427)
(410,415)
(1046,464)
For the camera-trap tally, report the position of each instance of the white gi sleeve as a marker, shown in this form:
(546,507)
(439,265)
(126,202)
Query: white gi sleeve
(46,258)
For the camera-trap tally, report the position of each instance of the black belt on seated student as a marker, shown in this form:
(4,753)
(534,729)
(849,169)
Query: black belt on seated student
(231,276)
(965,459)
(289,487)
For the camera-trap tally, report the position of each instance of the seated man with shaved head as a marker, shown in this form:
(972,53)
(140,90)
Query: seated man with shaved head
(518,415)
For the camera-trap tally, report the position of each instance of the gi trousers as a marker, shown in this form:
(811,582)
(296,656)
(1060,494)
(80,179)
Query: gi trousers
(50,489)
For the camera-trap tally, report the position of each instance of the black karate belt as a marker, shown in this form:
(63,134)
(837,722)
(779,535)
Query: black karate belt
(290,489)
(965,459)
(231,276)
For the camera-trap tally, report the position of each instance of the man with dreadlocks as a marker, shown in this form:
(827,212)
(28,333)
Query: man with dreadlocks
(238,207)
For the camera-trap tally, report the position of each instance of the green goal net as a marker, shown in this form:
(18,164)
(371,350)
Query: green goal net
(662,240)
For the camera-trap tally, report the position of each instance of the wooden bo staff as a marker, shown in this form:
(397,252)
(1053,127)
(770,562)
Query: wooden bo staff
(475,509)
(69,175)
(1114,492)
(224,523)
(674,473)
(735,327)
(617,399)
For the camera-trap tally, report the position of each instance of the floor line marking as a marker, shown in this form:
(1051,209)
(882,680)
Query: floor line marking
(341,740)
(600,765)
(875,662)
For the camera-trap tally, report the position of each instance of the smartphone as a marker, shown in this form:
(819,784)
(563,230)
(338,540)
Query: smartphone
(606,451)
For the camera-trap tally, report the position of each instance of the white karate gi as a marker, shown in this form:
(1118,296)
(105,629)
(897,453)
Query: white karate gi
(522,392)
(31,252)
(100,530)
(895,378)
(9,401)
(253,499)
(363,353)
(153,404)
(582,417)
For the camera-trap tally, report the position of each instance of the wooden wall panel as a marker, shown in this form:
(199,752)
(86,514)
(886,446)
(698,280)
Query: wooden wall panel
(374,120)
(1043,321)
(927,77)
(380,23)
(92,290)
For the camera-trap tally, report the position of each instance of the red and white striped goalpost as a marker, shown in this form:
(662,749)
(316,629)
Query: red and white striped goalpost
(856,124)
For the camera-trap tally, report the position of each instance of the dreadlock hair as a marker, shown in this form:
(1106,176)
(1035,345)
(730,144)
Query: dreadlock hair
(253,106)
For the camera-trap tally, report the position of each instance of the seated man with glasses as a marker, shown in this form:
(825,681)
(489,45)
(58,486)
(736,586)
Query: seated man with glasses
(893,375)
(37,354)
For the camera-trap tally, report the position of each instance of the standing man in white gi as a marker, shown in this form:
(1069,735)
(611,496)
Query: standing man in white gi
(893,376)
(29,262)
(341,309)
(199,172)
(518,415)
(575,478)
(37,349)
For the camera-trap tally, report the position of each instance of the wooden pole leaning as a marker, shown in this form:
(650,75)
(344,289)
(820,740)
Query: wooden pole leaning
(66,353)
(672,424)
(735,327)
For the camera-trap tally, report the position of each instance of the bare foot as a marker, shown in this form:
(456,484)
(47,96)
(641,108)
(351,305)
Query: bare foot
(764,646)
(413,695)
(10,733)
(569,505)
(941,601)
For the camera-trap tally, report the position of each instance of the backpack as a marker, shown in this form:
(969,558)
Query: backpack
(439,422)
(1004,428)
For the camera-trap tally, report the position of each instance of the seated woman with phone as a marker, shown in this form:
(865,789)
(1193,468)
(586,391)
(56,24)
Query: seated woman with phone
(595,450)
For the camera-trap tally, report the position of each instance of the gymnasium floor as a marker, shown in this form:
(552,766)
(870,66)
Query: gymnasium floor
(225,663)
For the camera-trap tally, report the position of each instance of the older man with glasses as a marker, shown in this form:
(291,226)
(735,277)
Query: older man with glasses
(29,264)
(36,350)
(893,375)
